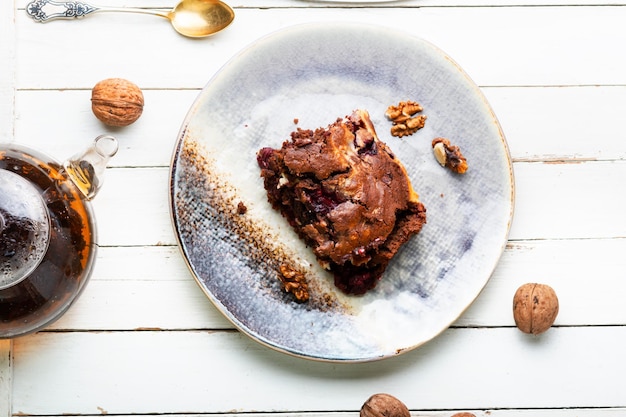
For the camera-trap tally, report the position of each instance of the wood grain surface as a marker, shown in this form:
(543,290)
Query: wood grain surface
(143,338)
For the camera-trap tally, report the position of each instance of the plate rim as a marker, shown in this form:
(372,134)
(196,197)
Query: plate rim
(241,327)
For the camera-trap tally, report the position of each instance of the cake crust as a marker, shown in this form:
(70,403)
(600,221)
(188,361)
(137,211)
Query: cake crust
(346,195)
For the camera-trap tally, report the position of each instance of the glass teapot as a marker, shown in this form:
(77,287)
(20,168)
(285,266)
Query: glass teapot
(47,232)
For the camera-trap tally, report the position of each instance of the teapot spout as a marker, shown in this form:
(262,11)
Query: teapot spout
(86,169)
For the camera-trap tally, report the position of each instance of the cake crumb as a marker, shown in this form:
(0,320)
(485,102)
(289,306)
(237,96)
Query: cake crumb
(241,208)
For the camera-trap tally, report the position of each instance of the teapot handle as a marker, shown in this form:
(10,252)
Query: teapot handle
(86,169)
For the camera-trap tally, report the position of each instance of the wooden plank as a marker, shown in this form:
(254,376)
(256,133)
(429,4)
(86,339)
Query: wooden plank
(7,74)
(569,201)
(142,305)
(555,123)
(586,275)
(151,282)
(225,372)
(485,41)
(560,123)
(7,108)
(6,377)
(578,412)
(483,364)
(553,201)
(154,284)
(44,125)
(132,208)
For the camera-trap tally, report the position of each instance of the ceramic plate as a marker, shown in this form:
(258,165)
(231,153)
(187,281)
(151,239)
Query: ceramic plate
(307,76)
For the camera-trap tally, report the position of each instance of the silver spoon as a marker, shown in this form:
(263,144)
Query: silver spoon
(193,18)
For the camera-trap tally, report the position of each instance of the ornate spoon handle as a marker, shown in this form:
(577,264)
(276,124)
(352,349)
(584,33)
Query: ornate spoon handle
(46,10)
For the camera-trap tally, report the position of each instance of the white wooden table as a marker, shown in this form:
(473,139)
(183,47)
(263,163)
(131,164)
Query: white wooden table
(143,339)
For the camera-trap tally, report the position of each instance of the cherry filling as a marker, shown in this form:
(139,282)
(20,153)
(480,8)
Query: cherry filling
(354,280)
(370,149)
(322,202)
(263,156)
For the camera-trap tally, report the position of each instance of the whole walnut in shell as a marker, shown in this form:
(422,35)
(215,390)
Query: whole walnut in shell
(116,102)
(384,405)
(535,307)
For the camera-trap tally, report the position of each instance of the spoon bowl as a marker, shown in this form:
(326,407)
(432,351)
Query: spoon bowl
(191,18)
(200,18)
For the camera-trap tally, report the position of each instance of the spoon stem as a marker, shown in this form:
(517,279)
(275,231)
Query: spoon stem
(156,12)
(46,10)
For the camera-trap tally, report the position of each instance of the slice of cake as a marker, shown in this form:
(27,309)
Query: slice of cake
(346,195)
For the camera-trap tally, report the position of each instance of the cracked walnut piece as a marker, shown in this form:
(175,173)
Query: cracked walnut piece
(449,156)
(294,282)
(404,119)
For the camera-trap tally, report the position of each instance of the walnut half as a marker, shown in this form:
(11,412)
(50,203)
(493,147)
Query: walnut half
(404,119)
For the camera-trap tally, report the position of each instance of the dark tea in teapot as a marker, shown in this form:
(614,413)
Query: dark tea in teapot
(47,291)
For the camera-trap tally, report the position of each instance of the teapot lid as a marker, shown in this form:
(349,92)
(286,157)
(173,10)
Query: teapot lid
(24,228)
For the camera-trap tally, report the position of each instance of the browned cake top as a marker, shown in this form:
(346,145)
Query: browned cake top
(346,195)
(368,185)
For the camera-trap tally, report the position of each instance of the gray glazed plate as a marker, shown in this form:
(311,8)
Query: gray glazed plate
(307,76)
